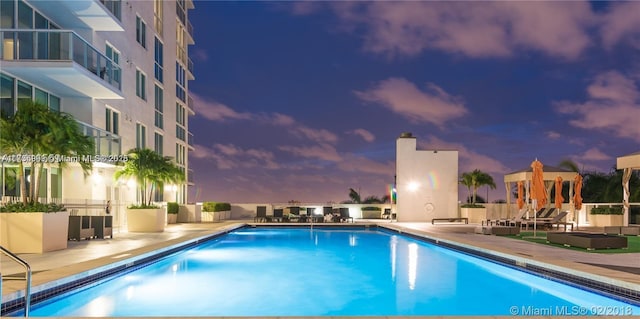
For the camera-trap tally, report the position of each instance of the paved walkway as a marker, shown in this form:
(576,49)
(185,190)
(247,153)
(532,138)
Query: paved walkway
(83,256)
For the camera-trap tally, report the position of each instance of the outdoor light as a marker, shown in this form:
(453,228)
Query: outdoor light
(96,177)
(131,183)
(413,186)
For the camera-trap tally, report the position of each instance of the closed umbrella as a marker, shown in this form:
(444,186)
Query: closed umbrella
(577,193)
(559,199)
(520,199)
(538,191)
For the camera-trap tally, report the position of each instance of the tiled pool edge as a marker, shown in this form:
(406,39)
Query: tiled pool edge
(15,301)
(614,288)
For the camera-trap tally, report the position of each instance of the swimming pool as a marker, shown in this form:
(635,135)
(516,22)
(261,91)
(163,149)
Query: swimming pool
(321,272)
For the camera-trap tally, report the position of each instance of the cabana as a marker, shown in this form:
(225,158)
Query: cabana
(549,175)
(627,163)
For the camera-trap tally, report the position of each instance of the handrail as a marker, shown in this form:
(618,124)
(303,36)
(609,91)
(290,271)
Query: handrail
(27,292)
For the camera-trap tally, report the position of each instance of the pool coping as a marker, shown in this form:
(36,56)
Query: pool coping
(136,258)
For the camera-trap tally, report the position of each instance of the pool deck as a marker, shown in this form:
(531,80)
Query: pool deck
(84,256)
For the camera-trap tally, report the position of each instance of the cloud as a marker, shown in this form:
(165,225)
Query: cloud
(553,135)
(594,154)
(613,106)
(474,29)
(366,135)
(432,105)
(200,55)
(216,111)
(356,163)
(621,22)
(324,152)
(229,156)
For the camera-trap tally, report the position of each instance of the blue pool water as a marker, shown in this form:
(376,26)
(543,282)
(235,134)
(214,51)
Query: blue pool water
(299,272)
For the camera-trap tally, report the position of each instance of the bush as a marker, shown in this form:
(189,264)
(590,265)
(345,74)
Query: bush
(372,208)
(32,207)
(172,208)
(215,207)
(472,206)
(143,206)
(615,210)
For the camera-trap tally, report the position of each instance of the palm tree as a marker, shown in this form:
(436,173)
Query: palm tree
(150,170)
(475,180)
(354,196)
(35,129)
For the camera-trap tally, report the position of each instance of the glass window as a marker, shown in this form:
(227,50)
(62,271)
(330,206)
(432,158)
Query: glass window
(114,55)
(6,96)
(112,119)
(158,68)
(159,105)
(6,14)
(141,86)
(25,92)
(54,103)
(41,97)
(141,32)
(25,16)
(158,141)
(157,17)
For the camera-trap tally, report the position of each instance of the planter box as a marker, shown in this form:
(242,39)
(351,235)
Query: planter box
(29,233)
(172,218)
(475,215)
(371,214)
(605,220)
(151,220)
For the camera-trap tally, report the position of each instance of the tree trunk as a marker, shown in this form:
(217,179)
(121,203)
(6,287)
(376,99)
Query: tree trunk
(23,183)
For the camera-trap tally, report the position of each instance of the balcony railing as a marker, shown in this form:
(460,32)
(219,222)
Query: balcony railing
(190,29)
(58,45)
(190,139)
(190,65)
(191,105)
(190,176)
(114,7)
(106,142)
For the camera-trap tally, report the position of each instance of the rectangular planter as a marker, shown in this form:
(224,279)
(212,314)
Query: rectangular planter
(598,220)
(475,215)
(34,233)
(149,220)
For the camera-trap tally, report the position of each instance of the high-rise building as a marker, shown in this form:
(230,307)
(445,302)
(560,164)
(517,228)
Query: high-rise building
(120,68)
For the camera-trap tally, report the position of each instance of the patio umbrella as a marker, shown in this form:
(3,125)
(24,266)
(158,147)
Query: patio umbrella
(577,193)
(559,199)
(520,200)
(538,191)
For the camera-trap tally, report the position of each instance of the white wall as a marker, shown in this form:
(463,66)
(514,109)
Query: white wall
(426,182)
(248,210)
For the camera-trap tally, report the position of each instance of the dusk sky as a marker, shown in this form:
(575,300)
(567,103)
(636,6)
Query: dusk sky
(304,100)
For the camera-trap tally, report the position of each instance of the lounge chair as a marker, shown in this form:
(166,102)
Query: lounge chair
(514,221)
(344,215)
(278,214)
(547,214)
(547,223)
(261,214)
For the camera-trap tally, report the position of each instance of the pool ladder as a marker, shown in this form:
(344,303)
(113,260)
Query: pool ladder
(27,278)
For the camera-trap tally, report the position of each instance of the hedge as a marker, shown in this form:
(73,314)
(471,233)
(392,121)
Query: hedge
(215,207)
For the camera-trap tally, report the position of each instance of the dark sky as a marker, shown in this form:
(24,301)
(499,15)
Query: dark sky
(304,100)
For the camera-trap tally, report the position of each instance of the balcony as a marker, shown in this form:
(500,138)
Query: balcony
(106,142)
(190,75)
(190,141)
(191,105)
(190,33)
(83,14)
(61,62)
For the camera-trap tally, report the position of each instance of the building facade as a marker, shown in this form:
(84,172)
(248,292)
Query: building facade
(120,68)
(426,182)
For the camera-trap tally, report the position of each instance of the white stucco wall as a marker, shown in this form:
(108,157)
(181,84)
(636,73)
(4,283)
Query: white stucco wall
(426,182)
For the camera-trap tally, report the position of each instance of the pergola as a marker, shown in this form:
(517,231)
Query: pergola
(549,174)
(627,163)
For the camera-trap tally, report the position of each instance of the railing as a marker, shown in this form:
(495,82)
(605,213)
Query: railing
(106,142)
(190,139)
(27,277)
(190,29)
(190,66)
(191,104)
(58,45)
(113,6)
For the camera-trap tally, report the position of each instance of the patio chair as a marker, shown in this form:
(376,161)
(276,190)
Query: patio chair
(547,213)
(278,214)
(344,215)
(514,221)
(547,223)
(261,214)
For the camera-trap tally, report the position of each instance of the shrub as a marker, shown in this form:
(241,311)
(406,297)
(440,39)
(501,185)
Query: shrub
(215,207)
(372,208)
(172,208)
(32,207)
(143,206)
(472,206)
(615,210)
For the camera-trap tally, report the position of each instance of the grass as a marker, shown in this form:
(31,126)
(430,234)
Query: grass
(633,243)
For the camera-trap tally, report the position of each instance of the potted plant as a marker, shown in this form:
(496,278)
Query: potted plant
(30,226)
(172,212)
(150,170)
(212,208)
(602,216)
(476,213)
